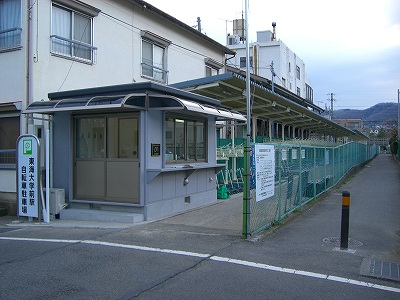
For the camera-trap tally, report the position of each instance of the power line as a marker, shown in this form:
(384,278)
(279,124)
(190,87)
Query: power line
(135,27)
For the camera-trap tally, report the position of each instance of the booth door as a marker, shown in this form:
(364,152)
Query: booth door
(106,166)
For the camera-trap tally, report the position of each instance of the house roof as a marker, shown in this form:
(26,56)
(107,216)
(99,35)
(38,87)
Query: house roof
(229,88)
(154,10)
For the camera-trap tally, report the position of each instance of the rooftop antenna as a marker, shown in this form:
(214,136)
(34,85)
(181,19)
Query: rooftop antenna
(273,38)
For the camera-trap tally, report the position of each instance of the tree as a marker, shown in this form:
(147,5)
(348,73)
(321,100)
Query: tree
(382,133)
(393,139)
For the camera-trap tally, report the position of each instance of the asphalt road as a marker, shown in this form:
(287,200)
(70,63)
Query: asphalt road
(177,258)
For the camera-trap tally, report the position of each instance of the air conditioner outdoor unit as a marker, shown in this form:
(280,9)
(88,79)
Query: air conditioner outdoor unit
(57,201)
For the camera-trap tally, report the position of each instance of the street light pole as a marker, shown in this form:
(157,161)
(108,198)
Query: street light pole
(246,192)
(398,122)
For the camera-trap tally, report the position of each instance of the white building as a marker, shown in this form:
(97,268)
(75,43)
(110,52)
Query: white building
(52,46)
(268,52)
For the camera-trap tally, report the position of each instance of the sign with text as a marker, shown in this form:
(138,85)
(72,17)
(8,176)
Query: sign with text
(28,175)
(263,162)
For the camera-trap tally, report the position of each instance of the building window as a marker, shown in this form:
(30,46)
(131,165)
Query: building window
(211,71)
(212,67)
(185,140)
(298,91)
(290,68)
(10,25)
(72,34)
(283,82)
(154,56)
(309,93)
(9,133)
(298,72)
(243,61)
(153,61)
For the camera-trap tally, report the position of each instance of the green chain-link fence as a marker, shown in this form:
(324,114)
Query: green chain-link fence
(301,174)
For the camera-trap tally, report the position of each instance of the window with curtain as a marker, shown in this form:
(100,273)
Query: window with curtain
(243,61)
(153,61)
(185,140)
(10,24)
(72,34)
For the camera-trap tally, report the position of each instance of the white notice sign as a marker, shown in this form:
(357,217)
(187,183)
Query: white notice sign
(264,159)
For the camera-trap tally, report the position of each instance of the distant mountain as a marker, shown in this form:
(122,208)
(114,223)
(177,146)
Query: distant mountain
(378,114)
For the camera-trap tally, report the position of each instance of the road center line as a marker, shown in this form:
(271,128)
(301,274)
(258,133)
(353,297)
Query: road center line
(216,258)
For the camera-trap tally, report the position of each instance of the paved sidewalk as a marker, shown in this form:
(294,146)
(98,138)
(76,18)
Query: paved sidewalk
(374,235)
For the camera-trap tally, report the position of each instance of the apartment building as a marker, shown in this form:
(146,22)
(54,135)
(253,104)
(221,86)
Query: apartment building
(57,46)
(268,56)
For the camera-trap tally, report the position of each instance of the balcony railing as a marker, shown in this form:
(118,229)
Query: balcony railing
(73,49)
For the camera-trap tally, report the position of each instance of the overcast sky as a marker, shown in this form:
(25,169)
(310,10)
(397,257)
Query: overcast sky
(350,47)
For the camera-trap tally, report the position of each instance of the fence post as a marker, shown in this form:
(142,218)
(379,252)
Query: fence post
(315,173)
(344,232)
(246,191)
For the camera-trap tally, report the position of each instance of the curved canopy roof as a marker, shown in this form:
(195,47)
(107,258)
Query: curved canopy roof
(229,88)
(135,98)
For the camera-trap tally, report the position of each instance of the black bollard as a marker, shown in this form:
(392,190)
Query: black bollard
(344,234)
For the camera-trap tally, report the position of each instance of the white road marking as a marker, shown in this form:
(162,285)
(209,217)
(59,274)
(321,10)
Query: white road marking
(304,273)
(216,258)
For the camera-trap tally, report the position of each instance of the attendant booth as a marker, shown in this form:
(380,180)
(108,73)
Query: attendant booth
(140,148)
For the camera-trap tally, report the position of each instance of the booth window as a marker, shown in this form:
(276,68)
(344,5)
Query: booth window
(10,25)
(118,135)
(72,34)
(185,140)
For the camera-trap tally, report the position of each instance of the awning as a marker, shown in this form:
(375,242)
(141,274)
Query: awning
(133,101)
(174,103)
(10,107)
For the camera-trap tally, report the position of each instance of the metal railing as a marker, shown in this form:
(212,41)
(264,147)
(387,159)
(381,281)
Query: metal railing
(73,49)
(8,159)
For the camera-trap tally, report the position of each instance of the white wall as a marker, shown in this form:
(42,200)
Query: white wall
(118,40)
(8,181)
(281,55)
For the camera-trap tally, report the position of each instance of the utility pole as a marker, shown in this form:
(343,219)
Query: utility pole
(198,24)
(273,75)
(332,100)
(398,122)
